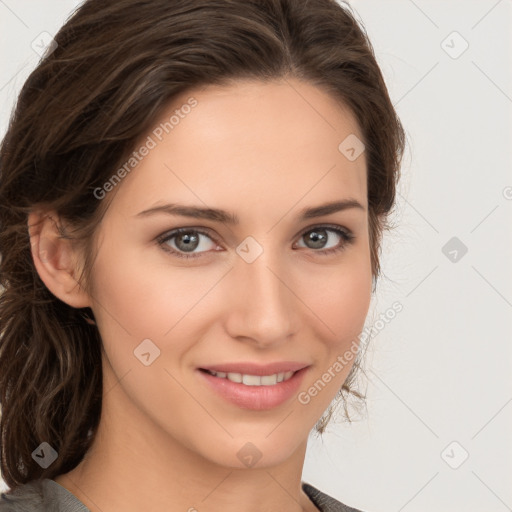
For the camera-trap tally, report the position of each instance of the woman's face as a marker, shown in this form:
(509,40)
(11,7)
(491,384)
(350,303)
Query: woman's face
(279,290)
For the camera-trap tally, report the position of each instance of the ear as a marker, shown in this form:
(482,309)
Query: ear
(55,259)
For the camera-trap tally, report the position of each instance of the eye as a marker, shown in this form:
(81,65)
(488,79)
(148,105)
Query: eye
(318,236)
(182,242)
(185,240)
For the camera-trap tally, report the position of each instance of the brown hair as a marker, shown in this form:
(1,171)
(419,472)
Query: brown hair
(116,65)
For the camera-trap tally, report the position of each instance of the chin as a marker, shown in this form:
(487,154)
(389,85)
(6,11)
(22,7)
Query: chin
(256,451)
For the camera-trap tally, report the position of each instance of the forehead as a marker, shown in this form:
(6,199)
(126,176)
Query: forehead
(249,144)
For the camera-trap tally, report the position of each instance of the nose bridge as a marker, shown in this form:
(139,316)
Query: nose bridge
(264,305)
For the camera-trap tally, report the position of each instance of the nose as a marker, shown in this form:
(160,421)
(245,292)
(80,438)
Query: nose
(263,309)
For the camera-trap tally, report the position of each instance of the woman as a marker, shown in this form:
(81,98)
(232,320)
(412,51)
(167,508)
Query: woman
(193,196)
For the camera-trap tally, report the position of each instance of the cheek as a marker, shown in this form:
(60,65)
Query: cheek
(141,298)
(340,309)
(342,303)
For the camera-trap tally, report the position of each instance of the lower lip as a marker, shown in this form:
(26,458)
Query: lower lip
(257,398)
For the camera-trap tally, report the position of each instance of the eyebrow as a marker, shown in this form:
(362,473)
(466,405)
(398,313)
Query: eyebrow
(224,216)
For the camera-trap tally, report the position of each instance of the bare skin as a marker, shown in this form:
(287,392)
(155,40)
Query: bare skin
(166,441)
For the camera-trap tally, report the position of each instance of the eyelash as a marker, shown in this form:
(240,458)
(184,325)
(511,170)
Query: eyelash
(346,236)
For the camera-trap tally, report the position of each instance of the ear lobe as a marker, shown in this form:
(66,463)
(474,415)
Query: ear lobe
(55,259)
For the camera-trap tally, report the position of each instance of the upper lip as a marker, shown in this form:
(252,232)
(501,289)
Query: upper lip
(256,369)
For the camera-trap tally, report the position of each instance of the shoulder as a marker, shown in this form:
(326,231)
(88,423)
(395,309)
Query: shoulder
(324,502)
(24,498)
(44,495)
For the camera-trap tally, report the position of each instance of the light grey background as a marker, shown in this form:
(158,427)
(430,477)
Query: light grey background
(440,371)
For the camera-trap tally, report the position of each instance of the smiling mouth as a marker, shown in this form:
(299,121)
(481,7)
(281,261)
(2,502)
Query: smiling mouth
(252,380)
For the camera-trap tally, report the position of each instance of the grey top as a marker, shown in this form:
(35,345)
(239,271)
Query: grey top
(46,495)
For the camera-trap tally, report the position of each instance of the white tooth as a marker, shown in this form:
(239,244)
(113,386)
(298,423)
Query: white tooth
(251,380)
(269,380)
(255,380)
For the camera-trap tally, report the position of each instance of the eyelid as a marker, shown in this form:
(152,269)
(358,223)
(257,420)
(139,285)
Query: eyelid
(325,225)
(168,235)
